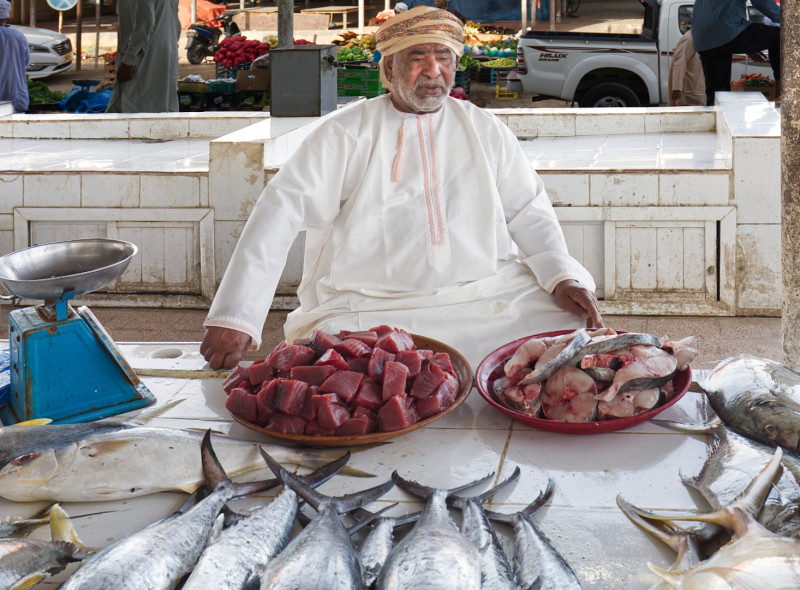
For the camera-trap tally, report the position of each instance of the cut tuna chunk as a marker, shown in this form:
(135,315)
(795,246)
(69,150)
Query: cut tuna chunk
(314,429)
(291,356)
(368,396)
(381,330)
(353,426)
(430,377)
(309,411)
(395,341)
(412,360)
(362,412)
(331,412)
(312,374)
(291,396)
(259,372)
(394,415)
(243,404)
(287,424)
(359,365)
(395,376)
(343,383)
(368,337)
(266,400)
(442,360)
(350,347)
(322,341)
(235,377)
(334,359)
(376,361)
(442,398)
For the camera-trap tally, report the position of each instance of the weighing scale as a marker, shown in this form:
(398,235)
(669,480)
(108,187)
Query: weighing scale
(64,365)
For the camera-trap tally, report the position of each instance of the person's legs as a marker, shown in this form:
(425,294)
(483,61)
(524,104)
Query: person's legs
(716,71)
(758,37)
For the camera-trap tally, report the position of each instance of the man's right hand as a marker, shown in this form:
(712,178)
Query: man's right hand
(223,347)
(125,73)
(676,95)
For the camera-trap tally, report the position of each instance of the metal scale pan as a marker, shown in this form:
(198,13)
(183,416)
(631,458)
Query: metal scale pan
(64,269)
(64,364)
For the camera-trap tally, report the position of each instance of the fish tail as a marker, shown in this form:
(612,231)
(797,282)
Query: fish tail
(422,491)
(542,499)
(317,458)
(61,528)
(212,469)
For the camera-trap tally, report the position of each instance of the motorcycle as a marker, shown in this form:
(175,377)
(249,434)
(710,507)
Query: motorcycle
(202,39)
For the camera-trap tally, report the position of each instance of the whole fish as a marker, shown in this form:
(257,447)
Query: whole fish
(26,562)
(234,559)
(537,564)
(111,460)
(758,398)
(158,556)
(322,556)
(434,554)
(755,558)
(732,463)
(496,571)
(379,542)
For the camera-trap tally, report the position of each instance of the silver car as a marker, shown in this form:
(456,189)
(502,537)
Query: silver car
(51,52)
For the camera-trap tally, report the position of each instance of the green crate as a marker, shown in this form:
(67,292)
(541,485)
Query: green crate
(361,74)
(223,72)
(359,82)
(220,86)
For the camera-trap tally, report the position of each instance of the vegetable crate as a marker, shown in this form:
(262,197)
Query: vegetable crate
(767,91)
(359,82)
(223,72)
(462,79)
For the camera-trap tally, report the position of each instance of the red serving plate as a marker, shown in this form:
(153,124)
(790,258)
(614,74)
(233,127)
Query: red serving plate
(491,368)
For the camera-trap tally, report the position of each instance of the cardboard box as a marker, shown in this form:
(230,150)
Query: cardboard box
(767,91)
(253,80)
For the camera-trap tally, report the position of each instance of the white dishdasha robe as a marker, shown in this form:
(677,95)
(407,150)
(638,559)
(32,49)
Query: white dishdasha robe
(434,223)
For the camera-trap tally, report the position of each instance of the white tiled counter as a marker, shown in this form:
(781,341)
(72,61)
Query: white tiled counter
(582,519)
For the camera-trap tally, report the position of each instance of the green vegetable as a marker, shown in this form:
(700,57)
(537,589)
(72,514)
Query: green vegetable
(501,62)
(467,61)
(39,93)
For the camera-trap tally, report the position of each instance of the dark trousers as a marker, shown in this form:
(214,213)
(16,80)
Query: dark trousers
(717,62)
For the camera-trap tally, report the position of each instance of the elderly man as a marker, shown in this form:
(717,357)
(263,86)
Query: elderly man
(147,57)
(421,212)
(14,58)
(721,28)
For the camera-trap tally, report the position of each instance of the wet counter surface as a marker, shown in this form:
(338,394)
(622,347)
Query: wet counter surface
(582,520)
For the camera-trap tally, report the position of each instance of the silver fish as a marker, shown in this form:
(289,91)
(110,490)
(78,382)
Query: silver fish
(26,562)
(434,554)
(758,398)
(537,564)
(16,526)
(118,460)
(322,556)
(568,356)
(755,558)
(158,556)
(496,571)
(234,559)
(379,542)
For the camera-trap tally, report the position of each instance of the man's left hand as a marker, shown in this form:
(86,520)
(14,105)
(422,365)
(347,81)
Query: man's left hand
(574,298)
(125,72)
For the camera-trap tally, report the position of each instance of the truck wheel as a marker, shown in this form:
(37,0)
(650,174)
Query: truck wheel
(609,94)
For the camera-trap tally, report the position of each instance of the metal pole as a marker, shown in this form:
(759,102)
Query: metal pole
(78,33)
(285,23)
(386,5)
(97,32)
(360,16)
(194,11)
(524,20)
(552,15)
(32,17)
(790,180)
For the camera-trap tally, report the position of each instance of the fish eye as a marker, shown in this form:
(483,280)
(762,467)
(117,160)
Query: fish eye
(771,429)
(24,459)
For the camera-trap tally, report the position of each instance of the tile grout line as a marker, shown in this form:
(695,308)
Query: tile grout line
(502,458)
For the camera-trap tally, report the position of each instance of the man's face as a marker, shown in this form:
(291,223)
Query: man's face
(441,4)
(421,76)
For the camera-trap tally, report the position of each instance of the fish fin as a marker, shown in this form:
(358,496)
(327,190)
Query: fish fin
(30,581)
(152,413)
(61,528)
(324,473)
(666,575)
(706,428)
(216,528)
(353,472)
(34,422)
(492,491)
(542,499)
(370,517)
(739,579)
(109,447)
(212,469)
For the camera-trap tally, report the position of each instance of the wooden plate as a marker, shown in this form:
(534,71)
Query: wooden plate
(491,368)
(463,373)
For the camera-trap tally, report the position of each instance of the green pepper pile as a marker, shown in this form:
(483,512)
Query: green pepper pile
(39,93)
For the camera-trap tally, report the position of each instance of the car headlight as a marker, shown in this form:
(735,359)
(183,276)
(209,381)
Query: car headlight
(38,49)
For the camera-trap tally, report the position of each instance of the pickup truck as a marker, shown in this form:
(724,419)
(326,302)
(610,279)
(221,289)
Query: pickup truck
(612,70)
